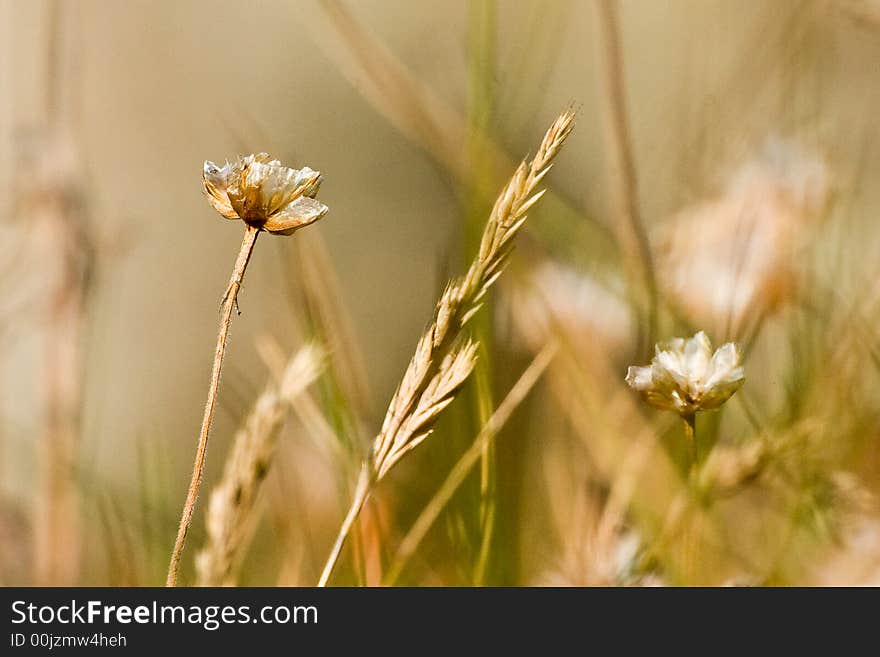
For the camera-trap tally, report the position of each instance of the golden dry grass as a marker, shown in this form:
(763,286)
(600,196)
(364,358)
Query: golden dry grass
(721,179)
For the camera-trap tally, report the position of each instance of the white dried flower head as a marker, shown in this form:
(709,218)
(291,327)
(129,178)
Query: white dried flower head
(686,377)
(263,193)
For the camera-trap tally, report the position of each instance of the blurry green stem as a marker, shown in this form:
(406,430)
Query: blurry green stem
(477,202)
(487,473)
(468,460)
(361,494)
(631,234)
(690,434)
(690,536)
(226,310)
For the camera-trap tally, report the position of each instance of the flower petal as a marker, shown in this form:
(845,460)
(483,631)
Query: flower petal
(311,180)
(725,363)
(278,187)
(216,183)
(723,390)
(302,212)
(669,366)
(281,185)
(262,158)
(697,354)
(639,378)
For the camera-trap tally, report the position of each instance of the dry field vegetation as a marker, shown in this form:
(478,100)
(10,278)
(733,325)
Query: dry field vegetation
(535,293)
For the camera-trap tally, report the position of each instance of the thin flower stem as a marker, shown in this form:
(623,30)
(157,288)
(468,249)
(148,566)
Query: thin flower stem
(690,535)
(228,307)
(361,494)
(690,433)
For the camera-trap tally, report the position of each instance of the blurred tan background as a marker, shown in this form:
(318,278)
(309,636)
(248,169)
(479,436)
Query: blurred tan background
(146,91)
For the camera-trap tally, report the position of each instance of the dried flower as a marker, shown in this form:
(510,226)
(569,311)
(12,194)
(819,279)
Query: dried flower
(686,377)
(266,196)
(263,193)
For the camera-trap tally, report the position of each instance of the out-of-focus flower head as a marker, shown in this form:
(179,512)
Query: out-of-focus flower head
(555,297)
(263,193)
(731,258)
(686,377)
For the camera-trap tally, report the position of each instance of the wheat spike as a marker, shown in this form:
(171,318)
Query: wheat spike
(444,356)
(230,510)
(439,367)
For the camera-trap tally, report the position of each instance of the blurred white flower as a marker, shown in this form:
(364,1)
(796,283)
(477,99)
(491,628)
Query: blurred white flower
(263,193)
(686,377)
(556,298)
(734,257)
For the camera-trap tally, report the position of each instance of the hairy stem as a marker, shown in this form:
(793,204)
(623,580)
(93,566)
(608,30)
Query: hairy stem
(228,307)
(361,493)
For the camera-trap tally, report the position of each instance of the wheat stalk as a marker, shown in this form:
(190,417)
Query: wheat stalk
(444,357)
(230,510)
